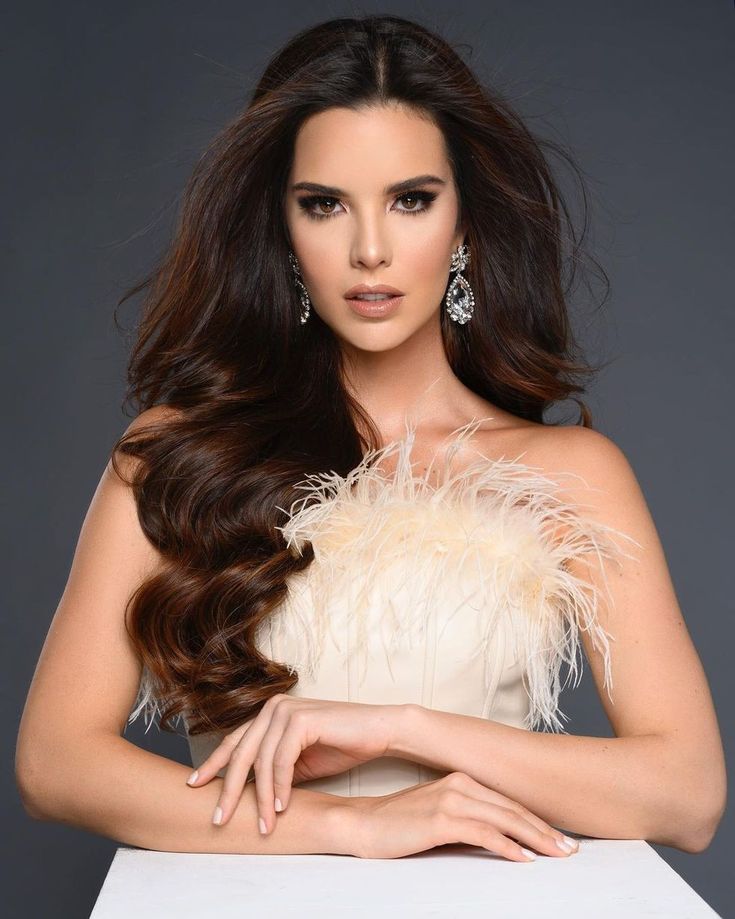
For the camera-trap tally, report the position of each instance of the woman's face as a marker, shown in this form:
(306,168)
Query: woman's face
(352,230)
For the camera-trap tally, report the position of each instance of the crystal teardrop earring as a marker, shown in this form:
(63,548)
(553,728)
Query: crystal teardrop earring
(460,300)
(303,292)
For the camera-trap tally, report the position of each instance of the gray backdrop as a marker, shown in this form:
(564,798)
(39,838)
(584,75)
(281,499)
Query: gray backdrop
(107,108)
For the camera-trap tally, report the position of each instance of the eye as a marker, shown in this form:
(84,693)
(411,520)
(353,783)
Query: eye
(308,203)
(414,198)
(424,198)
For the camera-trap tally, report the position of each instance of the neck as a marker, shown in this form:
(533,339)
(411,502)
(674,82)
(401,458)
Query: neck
(409,383)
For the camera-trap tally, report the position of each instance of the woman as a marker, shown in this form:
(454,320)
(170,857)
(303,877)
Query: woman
(339,540)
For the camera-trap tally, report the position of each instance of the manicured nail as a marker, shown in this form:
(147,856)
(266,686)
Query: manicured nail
(572,842)
(279,806)
(261,824)
(528,853)
(217,818)
(193,777)
(564,846)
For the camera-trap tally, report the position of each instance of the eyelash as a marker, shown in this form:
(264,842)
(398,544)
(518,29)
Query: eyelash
(307,203)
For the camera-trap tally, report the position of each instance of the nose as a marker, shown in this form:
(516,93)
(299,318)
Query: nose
(371,245)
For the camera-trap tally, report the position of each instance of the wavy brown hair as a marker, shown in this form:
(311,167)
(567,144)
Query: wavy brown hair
(256,400)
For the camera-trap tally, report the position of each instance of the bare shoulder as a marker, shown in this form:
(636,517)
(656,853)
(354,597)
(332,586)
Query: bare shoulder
(554,448)
(589,468)
(594,475)
(582,452)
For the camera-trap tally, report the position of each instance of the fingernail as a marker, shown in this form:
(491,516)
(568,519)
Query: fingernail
(193,777)
(528,853)
(279,806)
(261,824)
(572,842)
(564,846)
(217,818)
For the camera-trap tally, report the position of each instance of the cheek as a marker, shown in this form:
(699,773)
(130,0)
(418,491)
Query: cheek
(318,247)
(426,245)
(426,262)
(321,271)
(421,252)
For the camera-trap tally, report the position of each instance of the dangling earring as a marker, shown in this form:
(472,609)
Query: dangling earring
(303,292)
(460,300)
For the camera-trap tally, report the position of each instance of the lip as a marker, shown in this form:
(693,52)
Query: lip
(375,309)
(372,289)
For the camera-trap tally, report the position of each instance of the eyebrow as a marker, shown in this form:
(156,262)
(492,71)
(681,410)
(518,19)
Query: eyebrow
(395,189)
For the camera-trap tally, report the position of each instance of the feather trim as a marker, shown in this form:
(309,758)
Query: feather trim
(149,703)
(486,537)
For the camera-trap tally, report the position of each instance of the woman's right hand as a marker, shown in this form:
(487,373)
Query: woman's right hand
(454,808)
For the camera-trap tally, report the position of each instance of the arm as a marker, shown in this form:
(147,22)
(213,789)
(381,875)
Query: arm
(662,777)
(614,788)
(109,786)
(72,763)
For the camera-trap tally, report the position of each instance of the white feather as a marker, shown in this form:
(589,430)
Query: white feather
(493,535)
(486,535)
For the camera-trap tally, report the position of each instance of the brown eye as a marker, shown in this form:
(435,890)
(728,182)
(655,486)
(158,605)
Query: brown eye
(310,203)
(418,201)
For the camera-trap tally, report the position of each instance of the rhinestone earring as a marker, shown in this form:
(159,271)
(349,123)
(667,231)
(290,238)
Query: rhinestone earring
(303,292)
(460,300)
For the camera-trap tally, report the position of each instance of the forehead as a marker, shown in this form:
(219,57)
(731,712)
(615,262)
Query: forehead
(369,147)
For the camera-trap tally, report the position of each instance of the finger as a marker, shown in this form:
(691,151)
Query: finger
(284,766)
(478,833)
(553,844)
(512,824)
(565,843)
(482,793)
(218,758)
(282,728)
(235,777)
(240,762)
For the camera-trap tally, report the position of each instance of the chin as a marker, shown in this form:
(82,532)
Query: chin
(373,345)
(378,335)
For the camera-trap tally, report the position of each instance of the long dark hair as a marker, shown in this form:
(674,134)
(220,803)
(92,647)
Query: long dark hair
(255,401)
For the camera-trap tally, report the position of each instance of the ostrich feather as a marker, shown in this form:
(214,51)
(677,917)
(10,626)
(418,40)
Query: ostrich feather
(491,539)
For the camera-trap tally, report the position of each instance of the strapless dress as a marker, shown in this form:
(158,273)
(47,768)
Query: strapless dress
(451,592)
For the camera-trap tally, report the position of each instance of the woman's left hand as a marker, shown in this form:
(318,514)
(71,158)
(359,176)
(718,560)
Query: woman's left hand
(292,740)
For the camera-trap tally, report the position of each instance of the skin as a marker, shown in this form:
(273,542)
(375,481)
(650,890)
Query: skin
(373,238)
(663,709)
(661,777)
(366,235)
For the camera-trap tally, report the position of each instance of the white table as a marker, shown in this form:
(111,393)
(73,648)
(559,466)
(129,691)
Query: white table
(605,878)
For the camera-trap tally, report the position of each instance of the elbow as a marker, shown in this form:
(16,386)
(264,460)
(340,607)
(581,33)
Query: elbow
(694,818)
(32,809)
(29,798)
(703,829)
(712,805)
(33,792)
(691,834)
(689,806)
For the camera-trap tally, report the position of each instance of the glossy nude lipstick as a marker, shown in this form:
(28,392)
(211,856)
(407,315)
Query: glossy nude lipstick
(374,301)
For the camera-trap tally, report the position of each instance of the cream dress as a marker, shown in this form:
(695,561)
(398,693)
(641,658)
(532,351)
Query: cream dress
(450,592)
